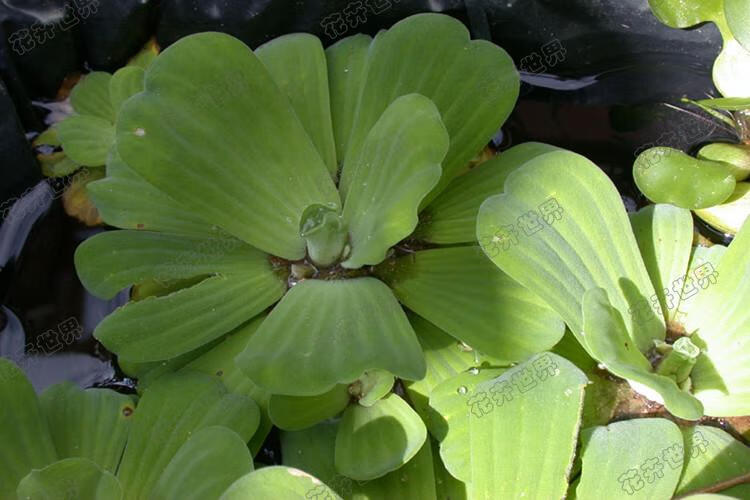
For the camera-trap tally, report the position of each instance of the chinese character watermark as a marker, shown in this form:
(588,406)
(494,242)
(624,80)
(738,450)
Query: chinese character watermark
(651,469)
(483,402)
(527,224)
(24,40)
(337,24)
(552,54)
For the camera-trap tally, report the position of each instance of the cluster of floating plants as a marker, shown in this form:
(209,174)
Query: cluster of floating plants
(313,241)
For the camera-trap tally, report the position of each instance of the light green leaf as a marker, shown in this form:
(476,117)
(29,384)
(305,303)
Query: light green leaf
(461,292)
(346,71)
(664,234)
(559,229)
(170,411)
(686,13)
(90,96)
(447,487)
(126,81)
(397,165)
(375,440)
(297,65)
(736,155)
(445,357)
(711,455)
(609,344)
(111,261)
(91,423)
(219,362)
(86,139)
(503,413)
(124,199)
(189,134)
(738,18)
(731,73)
(727,103)
(294,413)
(373,386)
(313,450)
(57,165)
(730,215)
(26,439)
(700,255)
(452,217)
(331,332)
(626,460)
(160,328)
(278,483)
(206,465)
(449,414)
(721,376)
(77,478)
(473,83)
(666,175)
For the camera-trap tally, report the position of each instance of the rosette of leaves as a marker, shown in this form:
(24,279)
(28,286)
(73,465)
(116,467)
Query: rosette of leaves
(84,138)
(331,186)
(711,183)
(731,72)
(641,301)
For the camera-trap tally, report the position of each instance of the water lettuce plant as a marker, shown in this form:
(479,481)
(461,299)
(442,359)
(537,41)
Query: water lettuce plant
(293,178)
(639,299)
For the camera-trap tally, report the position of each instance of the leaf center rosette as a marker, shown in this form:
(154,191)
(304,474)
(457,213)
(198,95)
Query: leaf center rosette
(282,207)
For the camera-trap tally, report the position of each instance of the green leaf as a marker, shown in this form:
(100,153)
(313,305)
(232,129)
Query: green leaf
(206,465)
(26,439)
(111,261)
(727,103)
(126,81)
(711,455)
(297,64)
(313,450)
(559,229)
(124,199)
(449,414)
(699,256)
(331,332)
(189,135)
(686,13)
(278,483)
(375,440)
(730,215)
(664,234)
(57,165)
(460,291)
(666,175)
(473,83)
(445,357)
(294,413)
(397,165)
(90,96)
(374,385)
(731,73)
(452,217)
(70,478)
(86,139)
(170,411)
(625,460)
(346,72)
(738,18)
(608,342)
(721,376)
(736,155)
(91,423)
(160,328)
(503,414)
(447,486)
(219,362)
